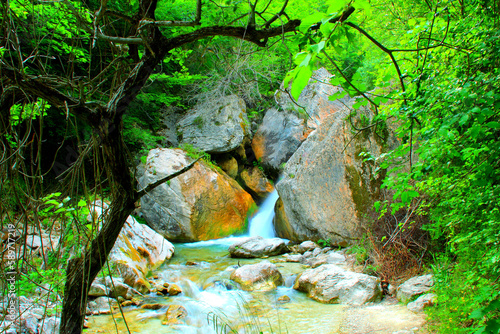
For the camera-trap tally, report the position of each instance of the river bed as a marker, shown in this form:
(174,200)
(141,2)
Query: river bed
(215,305)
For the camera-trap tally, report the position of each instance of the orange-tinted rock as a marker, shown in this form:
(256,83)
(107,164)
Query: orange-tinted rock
(200,204)
(174,290)
(229,165)
(256,182)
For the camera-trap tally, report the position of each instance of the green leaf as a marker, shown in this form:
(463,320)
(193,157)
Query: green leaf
(493,125)
(310,20)
(463,119)
(318,47)
(82,203)
(300,81)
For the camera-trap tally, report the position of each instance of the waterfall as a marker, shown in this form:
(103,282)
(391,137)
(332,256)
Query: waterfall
(262,223)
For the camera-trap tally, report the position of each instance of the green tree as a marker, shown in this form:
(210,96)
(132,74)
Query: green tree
(90,60)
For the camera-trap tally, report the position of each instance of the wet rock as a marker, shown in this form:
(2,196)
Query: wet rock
(283,299)
(153,306)
(228,164)
(414,287)
(260,276)
(256,247)
(174,314)
(292,257)
(421,302)
(332,284)
(174,290)
(218,127)
(256,182)
(327,189)
(200,204)
(306,246)
(191,263)
(331,257)
(163,289)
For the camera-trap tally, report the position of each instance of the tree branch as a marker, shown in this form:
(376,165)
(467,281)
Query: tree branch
(34,86)
(155,184)
(383,48)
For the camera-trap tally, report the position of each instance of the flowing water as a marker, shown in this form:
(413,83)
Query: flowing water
(215,305)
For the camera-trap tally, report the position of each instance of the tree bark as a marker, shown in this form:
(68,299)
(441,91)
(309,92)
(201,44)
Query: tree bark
(82,271)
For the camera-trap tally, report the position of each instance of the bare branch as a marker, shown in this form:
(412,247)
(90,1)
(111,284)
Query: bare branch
(159,182)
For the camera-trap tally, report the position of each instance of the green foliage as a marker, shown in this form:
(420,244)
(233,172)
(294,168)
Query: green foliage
(325,243)
(196,153)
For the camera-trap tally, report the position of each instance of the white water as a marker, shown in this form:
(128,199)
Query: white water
(262,223)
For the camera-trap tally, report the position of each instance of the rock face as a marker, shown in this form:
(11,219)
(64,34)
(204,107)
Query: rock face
(413,287)
(282,132)
(217,128)
(258,247)
(261,276)
(200,204)
(331,284)
(279,135)
(138,250)
(326,188)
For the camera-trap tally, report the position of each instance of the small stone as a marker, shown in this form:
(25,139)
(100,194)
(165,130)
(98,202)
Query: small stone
(153,306)
(127,303)
(191,263)
(284,299)
(155,277)
(162,289)
(174,290)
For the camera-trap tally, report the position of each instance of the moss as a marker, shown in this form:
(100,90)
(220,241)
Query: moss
(359,190)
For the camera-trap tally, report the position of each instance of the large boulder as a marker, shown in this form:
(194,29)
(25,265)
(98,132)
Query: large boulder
(327,189)
(414,287)
(261,276)
(200,204)
(138,250)
(331,284)
(282,131)
(279,135)
(255,247)
(216,128)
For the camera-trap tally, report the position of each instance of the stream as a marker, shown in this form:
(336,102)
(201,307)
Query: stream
(213,302)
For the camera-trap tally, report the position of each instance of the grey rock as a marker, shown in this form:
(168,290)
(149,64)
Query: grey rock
(326,258)
(292,257)
(98,290)
(217,128)
(421,302)
(331,284)
(261,276)
(327,189)
(49,325)
(102,305)
(413,287)
(278,137)
(255,247)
